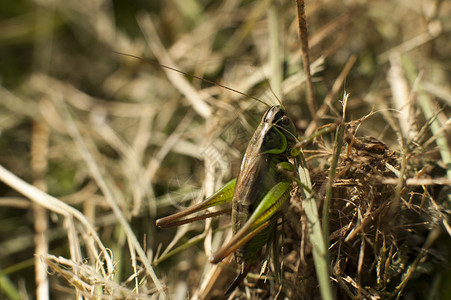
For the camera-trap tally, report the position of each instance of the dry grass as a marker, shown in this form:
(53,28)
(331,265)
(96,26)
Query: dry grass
(118,142)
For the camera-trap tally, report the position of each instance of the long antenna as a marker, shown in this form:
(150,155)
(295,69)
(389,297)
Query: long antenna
(274,94)
(193,76)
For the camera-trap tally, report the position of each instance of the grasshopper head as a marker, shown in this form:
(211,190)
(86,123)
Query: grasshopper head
(277,116)
(282,134)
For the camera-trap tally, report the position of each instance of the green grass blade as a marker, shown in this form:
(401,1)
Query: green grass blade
(8,288)
(339,136)
(319,248)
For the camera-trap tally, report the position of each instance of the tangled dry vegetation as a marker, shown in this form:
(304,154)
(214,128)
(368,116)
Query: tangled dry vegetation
(95,145)
(381,228)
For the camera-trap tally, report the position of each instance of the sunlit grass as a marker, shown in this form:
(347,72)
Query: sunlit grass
(115,143)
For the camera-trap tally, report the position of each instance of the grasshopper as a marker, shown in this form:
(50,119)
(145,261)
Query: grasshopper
(257,194)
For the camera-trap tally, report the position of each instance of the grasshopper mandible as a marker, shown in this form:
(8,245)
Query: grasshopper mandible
(257,194)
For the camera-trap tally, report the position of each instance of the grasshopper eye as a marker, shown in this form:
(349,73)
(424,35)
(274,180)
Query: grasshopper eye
(285,121)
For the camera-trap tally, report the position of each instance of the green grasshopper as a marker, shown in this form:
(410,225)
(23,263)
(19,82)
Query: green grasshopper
(261,189)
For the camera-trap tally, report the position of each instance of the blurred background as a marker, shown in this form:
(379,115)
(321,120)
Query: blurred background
(125,141)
